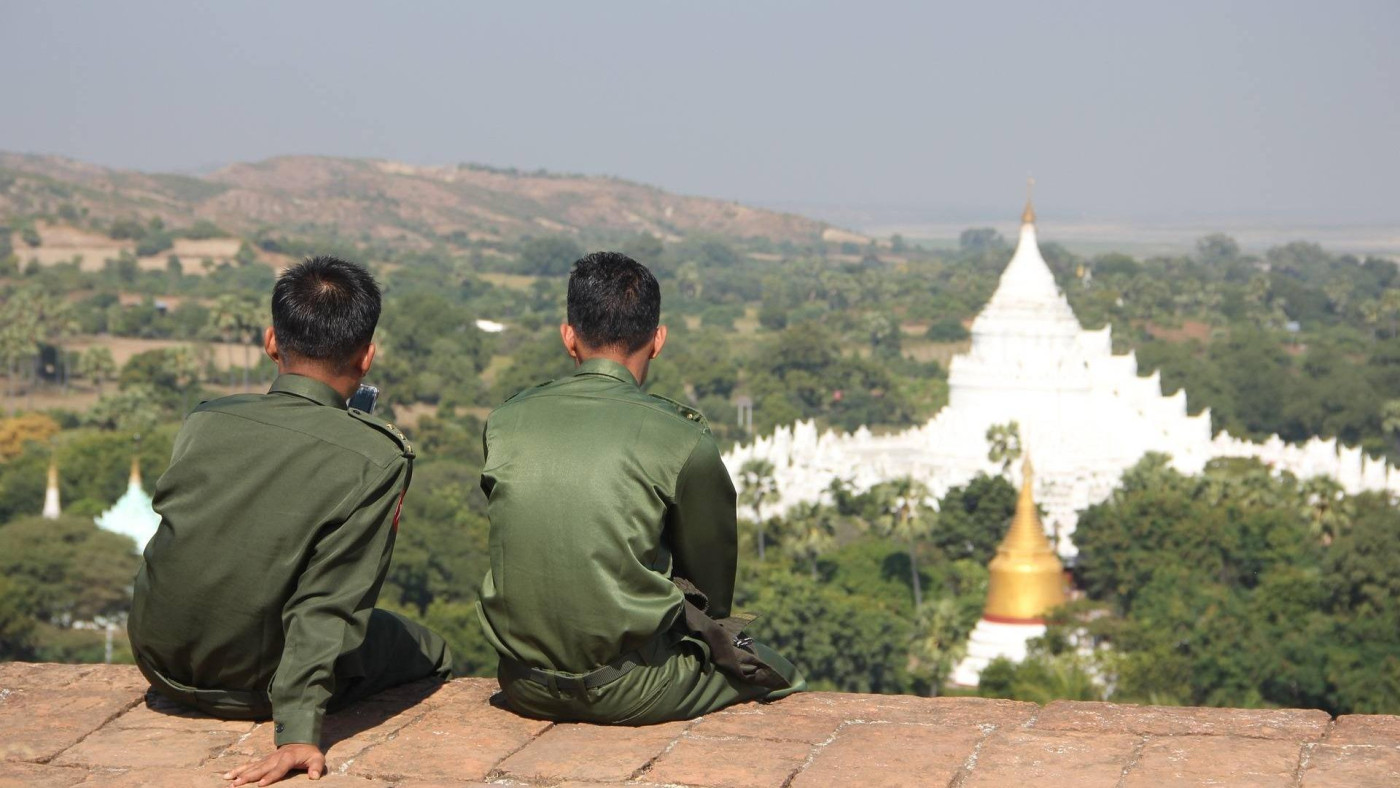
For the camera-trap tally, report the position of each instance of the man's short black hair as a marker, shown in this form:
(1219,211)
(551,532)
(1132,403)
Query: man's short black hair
(325,309)
(614,301)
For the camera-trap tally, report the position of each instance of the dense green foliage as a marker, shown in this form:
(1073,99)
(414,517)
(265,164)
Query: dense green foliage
(1236,588)
(1233,587)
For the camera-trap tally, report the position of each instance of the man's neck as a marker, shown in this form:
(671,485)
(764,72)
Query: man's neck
(344,385)
(636,363)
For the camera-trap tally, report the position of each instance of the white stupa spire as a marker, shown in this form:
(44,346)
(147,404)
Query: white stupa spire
(133,513)
(51,502)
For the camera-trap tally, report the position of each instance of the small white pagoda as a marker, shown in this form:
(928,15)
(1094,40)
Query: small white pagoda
(132,514)
(52,509)
(1090,412)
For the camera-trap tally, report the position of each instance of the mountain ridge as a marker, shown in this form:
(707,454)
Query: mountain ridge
(385,199)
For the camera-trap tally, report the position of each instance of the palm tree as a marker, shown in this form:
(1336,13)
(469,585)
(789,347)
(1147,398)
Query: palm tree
(1327,508)
(908,520)
(57,324)
(941,640)
(19,337)
(97,364)
(809,532)
(757,485)
(184,363)
(1004,444)
(250,326)
(226,318)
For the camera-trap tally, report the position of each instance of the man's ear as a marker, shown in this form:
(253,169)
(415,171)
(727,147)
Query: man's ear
(570,339)
(366,359)
(270,346)
(658,341)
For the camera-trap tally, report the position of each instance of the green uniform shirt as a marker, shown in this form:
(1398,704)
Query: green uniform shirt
(596,491)
(278,515)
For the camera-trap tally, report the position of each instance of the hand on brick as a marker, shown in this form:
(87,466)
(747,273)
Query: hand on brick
(288,758)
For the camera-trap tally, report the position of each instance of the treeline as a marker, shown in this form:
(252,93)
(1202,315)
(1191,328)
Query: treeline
(1236,587)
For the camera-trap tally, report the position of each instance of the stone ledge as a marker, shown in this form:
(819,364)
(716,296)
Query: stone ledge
(66,725)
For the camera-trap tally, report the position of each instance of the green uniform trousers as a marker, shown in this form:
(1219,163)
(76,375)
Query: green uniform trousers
(395,651)
(675,681)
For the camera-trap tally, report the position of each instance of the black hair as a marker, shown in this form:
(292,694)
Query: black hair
(325,309)
(614,301)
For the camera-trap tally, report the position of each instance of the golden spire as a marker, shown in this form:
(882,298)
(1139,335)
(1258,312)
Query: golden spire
(1028,215)
(1027,578)
(135,471)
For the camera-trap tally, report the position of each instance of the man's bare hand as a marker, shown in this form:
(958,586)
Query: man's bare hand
(289,757)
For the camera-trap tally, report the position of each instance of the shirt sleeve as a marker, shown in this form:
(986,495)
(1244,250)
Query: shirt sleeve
(704,534)
(328,611)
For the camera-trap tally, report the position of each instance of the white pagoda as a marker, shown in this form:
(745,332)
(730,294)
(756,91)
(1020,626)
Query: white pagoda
(133,513)
(1088,412)
(52,509)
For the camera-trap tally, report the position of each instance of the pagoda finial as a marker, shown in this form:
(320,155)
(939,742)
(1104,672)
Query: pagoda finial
(1028,215)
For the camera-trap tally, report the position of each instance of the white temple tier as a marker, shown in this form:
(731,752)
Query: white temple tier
(133,513)
(1086,412)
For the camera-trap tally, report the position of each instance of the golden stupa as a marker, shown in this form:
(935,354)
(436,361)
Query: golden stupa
(1027,577)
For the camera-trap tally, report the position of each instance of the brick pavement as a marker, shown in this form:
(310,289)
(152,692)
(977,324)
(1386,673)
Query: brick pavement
(65,725)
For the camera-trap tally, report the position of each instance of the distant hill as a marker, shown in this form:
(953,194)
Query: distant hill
(384,200)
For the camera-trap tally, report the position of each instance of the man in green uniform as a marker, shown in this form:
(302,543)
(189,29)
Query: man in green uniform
(278,516)
(598,494)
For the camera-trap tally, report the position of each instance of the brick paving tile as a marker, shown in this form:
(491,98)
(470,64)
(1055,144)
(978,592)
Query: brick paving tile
(591,752)
(1085,760)
(1381,729)
(731,763)
(39,675)
(472,738)
(14,774)
(891,755)
(132,747)
(907,708)
(37,724)
(1215,760)
(768,723)
(1292,724)
(110,677)
(1357,766)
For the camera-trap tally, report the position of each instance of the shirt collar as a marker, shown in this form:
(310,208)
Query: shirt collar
(608,368)
(307,388)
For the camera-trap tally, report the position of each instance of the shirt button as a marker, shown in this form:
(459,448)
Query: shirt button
(278,727)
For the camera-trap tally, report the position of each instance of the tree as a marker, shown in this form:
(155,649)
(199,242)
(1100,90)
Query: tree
(134,411)
(20,331)
(26,428)
(549,256)
(808,532)
(906,518)
(227,318)
(60,572)
(756,486)
(973,518)
(251,319)
(97,365)
(1004,444)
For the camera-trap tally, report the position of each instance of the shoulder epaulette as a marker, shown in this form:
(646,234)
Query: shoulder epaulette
(685,411)
(385,427)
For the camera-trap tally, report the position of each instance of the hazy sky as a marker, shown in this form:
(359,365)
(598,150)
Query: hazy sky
(1168,111)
